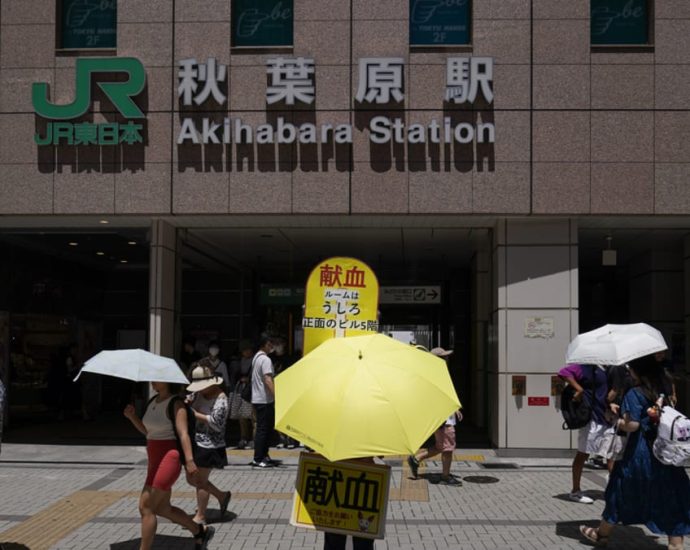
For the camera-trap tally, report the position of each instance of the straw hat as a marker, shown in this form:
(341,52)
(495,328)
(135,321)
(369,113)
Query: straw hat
(203,378)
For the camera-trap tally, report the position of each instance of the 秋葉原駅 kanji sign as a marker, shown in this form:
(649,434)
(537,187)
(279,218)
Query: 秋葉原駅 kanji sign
(341,300)
(380,82)
(63,131)
(346,497)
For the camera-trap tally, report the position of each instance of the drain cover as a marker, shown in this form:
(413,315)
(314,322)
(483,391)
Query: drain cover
(500,465)
(480,479)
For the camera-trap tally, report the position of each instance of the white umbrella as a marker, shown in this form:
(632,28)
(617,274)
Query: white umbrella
(135,364)
(615,344)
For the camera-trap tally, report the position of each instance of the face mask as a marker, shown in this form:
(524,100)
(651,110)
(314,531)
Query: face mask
(213,351)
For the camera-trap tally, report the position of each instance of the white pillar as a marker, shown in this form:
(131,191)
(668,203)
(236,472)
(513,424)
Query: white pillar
(535,279)
(162,288)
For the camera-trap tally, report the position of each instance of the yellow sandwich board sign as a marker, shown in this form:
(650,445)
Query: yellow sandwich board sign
(341,300)
(347,497)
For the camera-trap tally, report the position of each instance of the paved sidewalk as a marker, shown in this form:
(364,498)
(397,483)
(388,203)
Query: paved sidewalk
(85,498)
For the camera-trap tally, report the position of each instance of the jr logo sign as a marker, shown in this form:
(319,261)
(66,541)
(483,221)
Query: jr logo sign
(120,94)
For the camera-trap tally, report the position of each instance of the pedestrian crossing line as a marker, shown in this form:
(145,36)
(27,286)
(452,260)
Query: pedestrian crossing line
(52,524)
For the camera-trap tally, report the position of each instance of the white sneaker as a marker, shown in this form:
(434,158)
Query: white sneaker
(580,498)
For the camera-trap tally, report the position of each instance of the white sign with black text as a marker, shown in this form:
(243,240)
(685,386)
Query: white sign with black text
(410,295)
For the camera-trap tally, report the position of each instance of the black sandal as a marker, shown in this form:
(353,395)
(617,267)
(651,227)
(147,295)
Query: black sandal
(202,537)
(224,503)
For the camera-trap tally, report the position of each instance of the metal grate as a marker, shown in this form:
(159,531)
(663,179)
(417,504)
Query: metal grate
(480,479)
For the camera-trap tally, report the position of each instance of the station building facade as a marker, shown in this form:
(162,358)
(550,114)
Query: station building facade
(514,171)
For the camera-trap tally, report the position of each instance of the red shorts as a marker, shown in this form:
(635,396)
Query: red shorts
(445,439)
(164,464)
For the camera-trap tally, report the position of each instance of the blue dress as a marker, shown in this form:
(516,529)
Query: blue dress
(641,489)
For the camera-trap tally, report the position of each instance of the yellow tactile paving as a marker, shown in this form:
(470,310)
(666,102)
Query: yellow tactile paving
(58,520)
(469,458)
(287,453)
(410,489)
(235,496)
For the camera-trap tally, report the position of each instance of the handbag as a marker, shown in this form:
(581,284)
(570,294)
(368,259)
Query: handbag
(245,391)
(239,408)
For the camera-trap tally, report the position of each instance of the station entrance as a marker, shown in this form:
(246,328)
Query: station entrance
(237,283)
(66,294)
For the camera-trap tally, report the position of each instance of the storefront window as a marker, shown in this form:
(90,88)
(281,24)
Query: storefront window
(87,24)
(620,22)
(262,23)
(440,23)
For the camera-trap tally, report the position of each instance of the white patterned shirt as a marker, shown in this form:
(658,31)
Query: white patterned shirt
(211,434)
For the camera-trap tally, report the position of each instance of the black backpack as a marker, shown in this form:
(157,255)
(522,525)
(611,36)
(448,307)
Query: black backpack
(576,414)
(191,423)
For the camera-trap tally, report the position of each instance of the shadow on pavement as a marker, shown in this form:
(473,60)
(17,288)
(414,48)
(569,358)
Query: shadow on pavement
(227,518)
(622,538)
(12,546)
(161,542)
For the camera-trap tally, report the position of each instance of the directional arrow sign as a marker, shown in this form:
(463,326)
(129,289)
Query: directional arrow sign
(410,294)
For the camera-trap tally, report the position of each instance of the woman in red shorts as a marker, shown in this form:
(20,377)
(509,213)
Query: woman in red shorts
(165,464)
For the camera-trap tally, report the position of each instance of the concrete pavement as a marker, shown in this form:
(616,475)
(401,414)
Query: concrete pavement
(85,498)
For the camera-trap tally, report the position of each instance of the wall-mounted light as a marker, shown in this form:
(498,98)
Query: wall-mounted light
(609,257)
(73,243)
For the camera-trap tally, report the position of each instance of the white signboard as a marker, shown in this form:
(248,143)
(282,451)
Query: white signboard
(539,327)
(410,295)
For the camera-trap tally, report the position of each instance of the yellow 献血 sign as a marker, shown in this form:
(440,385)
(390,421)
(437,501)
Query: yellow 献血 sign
(348,497)
(342,298)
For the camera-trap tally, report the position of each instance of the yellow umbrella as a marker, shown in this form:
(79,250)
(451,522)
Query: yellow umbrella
(364,396)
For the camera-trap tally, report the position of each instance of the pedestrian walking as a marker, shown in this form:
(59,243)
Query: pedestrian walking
(189,355)
(218,366)
(596,438)
(210,407)
(240,372)
(263,400)
(642,490)
(165,425)
(281,362)
(444,440)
